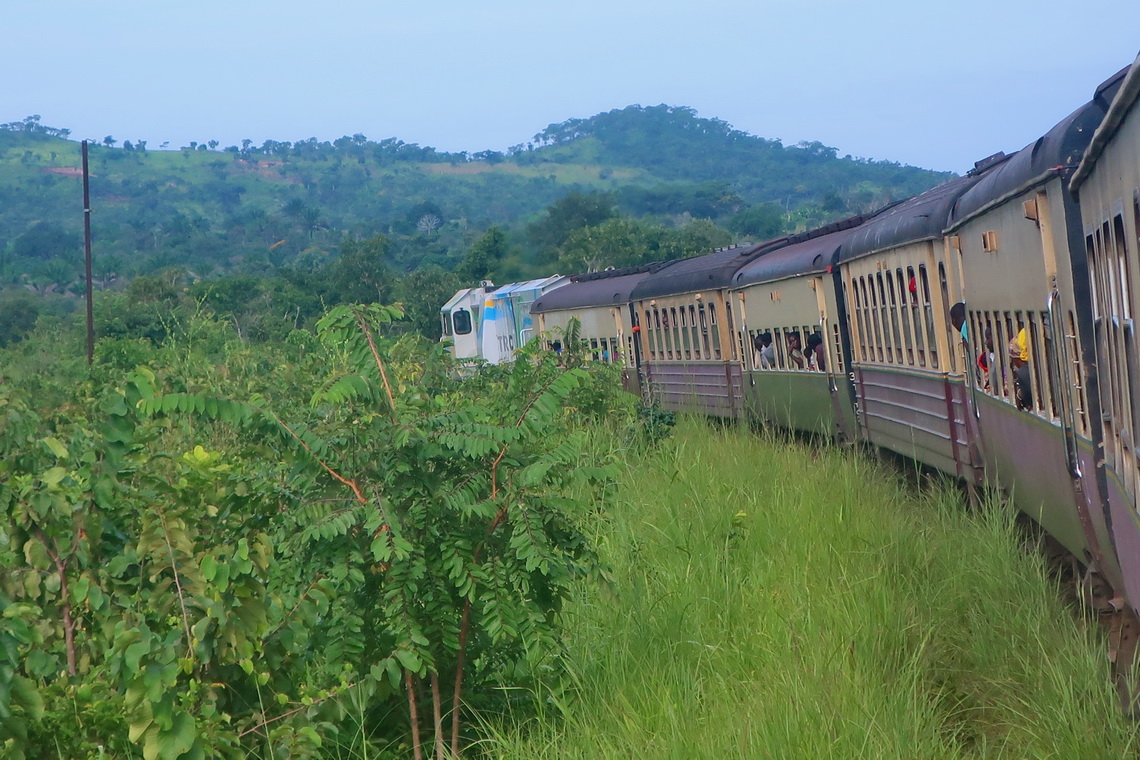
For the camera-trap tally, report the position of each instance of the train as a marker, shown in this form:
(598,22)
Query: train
(984,328)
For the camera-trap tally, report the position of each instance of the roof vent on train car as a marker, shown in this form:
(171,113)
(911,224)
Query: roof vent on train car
(986,163)
(486,284)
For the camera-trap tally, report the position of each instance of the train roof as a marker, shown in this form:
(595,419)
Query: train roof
(1127,92)
(806,252)
(457,298)
(1060,148)
(518,287)
(595,289)
(713,270)
(921,217)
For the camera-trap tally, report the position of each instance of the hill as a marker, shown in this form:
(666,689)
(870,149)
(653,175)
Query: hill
(251,209)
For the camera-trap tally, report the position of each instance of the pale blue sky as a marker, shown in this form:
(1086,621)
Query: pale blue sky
(935,85)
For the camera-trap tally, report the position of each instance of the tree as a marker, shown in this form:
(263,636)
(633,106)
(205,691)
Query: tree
(46,240)
(759,222)
(360,274)
(448,518)
(422,292)
(615,242)
(484,254)
(569,213)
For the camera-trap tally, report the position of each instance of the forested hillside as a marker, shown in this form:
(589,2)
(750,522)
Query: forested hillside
(626,186)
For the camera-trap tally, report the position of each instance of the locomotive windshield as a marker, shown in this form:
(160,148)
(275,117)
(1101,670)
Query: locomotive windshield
(461,320)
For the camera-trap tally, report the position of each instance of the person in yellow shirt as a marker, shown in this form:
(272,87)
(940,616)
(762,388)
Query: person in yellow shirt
(1019,363)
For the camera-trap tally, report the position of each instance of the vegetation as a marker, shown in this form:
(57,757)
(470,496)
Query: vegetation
(631,183)
(291,560)
(772,600)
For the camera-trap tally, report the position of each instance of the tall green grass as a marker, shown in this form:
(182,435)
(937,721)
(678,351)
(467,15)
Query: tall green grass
(774,600)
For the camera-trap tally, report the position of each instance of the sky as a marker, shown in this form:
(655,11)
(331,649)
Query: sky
(936,85)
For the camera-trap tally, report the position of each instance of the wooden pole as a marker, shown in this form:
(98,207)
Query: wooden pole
(87,257)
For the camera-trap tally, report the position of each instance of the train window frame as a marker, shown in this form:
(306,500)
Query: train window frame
(837,349)
(1077,379)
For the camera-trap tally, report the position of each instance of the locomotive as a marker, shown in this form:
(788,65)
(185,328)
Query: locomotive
(984,328)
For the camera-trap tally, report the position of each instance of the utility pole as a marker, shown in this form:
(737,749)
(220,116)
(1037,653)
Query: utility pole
(87,256)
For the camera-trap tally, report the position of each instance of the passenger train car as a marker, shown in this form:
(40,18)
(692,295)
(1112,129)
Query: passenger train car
(984,328)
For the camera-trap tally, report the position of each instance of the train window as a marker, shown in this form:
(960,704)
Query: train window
(880,294)
(729,326)
(701,333)
(650,335)
(461,321)
(1056,384)
(683,324)
(990,241)
(907,298)
(778,342)
(893,313)
(697,327)
(973,351)
(999,365)
(874,314)
(851,298)
(1036,365)
(715,331)
(868,320)
(675,327)
(944,289)
(667,334)
(916,318)
(928,314)
(1122,267)
(1094,273)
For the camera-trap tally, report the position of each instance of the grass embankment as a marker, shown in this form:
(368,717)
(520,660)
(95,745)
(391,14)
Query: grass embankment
(771,600)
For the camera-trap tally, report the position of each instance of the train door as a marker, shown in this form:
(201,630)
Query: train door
(835,365)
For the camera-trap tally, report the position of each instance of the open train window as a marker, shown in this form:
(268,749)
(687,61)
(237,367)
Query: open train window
(715,331)
(683,324)
(928,313)
(1122,267)
(916,313)
(461,321)
(907,297)
(873,314)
